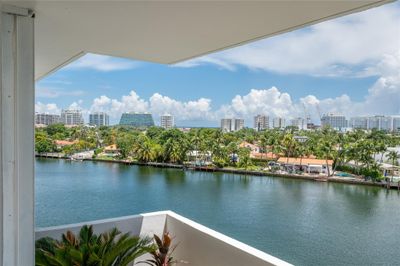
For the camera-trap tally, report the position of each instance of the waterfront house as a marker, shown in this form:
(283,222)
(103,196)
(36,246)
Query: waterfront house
(256,152)
(62,143)
(199,157)
(38,37)
(252,147)
(111,150)
(390,171)
(306,165)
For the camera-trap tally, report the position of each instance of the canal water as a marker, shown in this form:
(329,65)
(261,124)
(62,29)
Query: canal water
(302,222)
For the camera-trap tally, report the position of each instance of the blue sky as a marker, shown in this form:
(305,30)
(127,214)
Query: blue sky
(348,65)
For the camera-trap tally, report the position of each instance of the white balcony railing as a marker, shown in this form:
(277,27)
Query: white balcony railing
(197,244)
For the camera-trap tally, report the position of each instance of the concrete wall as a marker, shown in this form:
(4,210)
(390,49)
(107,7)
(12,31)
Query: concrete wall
(196,244)
(199,246)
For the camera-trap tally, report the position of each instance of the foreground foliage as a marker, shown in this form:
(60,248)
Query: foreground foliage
(162,255)
(88,249)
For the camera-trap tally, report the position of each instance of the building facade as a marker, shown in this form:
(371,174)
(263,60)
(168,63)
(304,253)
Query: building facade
(72,117)
(335,121)
(238,124)
(299,122)
(46,119)
(378,122)
(261,122)
(278,122)
(226,124)
(136,120)
(99,119)
(359,122)
(396,123)
(167,121)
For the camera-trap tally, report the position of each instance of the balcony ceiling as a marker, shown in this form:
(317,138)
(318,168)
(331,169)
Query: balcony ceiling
(165,31)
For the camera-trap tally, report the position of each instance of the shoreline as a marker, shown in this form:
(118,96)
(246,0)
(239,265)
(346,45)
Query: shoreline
(236,171)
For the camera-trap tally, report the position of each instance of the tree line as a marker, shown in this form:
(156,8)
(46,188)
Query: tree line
(159,145)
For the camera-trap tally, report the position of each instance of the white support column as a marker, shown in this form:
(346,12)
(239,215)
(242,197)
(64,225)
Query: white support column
(16,136)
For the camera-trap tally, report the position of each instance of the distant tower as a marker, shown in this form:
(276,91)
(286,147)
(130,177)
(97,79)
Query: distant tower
(279,122)
(167,121)
(99,119)
(226,124)
(71,117)
(261,122)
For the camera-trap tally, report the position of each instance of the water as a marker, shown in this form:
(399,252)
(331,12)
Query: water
(302,222)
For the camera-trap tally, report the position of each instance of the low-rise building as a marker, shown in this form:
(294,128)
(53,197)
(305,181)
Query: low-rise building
(306,165)
(62,143)
(111,150)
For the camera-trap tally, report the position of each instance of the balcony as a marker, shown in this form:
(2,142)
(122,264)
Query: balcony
(196,244)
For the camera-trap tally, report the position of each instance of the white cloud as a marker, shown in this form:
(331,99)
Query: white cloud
(157,104)
(350,45)
(192,110)
(382,98)
(102,63)
(50,108)
(51,92)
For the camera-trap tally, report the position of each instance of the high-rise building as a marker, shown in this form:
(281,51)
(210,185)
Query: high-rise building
(396,124)
(335,121)
(231,124)
(261,122)
(360,122)
(46,119)
(278,122)
(167,121)
(238,124)
(378,122)
(71,117)
(136,120)
(226,124)
(99,119)
(299,122)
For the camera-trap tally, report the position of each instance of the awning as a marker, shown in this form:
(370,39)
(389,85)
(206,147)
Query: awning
(166,31)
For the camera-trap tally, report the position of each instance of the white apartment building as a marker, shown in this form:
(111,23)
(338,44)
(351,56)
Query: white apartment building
(46,119)
(72,117)
(226,124)
(167,121)
(299,122)
(335,121)
(99,119)
(359,122)
(278,122)
(231,124)
(238,124)
(379,122)
(261,122)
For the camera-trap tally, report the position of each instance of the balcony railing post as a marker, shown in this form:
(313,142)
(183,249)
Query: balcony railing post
(16,136)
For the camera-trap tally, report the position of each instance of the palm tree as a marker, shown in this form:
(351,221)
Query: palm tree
(393,156)
(144,150)
(107,249)
(288,144)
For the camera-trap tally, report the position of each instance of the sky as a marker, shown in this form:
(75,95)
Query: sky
(349,65)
